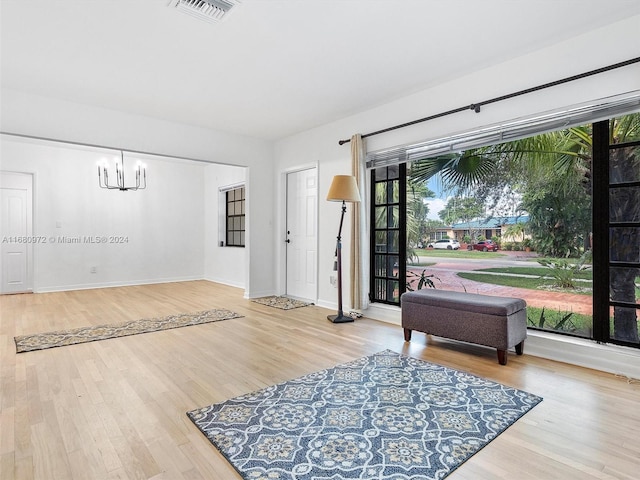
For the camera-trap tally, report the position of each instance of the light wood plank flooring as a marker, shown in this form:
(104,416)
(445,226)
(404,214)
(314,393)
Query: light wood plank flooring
(115,409)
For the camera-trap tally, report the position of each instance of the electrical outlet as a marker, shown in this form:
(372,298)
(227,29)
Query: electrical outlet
(333,280)
(93,270)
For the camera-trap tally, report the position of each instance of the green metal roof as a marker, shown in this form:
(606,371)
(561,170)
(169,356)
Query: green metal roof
(493,222)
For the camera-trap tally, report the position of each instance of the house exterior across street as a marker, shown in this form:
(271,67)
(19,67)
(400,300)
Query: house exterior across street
(487,228)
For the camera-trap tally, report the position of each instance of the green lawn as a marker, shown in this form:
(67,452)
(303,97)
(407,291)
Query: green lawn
(538,271)
(577,323)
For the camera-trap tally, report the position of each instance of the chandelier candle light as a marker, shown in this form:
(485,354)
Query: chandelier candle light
(140,173)
(343,189)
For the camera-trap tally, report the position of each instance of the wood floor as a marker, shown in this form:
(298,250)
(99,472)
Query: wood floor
(115,409)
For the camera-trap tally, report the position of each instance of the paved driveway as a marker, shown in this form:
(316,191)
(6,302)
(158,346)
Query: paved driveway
(446,268)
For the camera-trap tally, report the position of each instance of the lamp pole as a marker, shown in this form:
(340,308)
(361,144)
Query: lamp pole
(340,318)
(344,188)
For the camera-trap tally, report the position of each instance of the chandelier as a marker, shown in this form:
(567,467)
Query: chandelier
(140,172)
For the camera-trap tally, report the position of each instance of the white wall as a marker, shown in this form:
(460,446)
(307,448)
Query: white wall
(152,235)
(166,232)
(26,114)
(222,264)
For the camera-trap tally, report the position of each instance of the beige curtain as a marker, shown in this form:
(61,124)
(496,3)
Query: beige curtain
(358,268)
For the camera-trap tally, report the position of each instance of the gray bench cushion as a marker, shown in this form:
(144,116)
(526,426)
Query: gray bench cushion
(466,302)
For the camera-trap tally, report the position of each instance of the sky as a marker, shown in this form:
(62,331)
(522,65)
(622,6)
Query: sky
(435,204)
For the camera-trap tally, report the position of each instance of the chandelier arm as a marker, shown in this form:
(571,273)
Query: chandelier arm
(103,177)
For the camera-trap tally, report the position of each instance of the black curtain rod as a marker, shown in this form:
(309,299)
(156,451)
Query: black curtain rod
(476,106)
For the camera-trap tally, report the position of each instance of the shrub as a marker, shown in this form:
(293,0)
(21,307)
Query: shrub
(562,323)
(424,280)
(563,271)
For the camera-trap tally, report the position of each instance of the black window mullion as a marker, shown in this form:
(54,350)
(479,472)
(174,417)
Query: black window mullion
(402,224)
(600,222)
(234,216)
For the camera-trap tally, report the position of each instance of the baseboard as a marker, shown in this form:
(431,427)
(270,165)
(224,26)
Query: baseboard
(328,305)
(264,293)
(90,286)
(225,282)
(385,313)
(614,359)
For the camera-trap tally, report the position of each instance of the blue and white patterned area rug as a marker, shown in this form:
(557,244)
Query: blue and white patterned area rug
(385,416)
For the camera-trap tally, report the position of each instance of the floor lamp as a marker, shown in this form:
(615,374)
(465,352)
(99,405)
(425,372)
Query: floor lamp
(343,189)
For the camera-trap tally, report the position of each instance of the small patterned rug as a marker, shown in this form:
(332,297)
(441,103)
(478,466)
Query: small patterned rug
(282,302)
(40,341)
(385,416)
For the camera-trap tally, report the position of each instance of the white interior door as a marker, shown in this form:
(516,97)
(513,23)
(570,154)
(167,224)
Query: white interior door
(302,234)
(16,240)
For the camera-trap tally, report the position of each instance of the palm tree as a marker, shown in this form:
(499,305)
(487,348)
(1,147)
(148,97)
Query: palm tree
(515,230)
(565,156)
(417,212)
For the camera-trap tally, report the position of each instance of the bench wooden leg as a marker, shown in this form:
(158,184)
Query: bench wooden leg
(520,348)
(407,334)
(502,357)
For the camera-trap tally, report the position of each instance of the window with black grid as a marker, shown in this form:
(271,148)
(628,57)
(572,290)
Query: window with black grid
(235,217)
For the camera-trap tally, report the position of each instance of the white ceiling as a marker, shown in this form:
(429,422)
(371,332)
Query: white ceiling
(273,67)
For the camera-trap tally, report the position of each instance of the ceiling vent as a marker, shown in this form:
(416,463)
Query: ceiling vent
(208,10)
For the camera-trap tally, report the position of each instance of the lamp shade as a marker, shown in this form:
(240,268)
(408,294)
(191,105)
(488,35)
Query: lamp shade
(343,189)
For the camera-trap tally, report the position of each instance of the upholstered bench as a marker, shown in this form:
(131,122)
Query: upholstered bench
(499,322)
